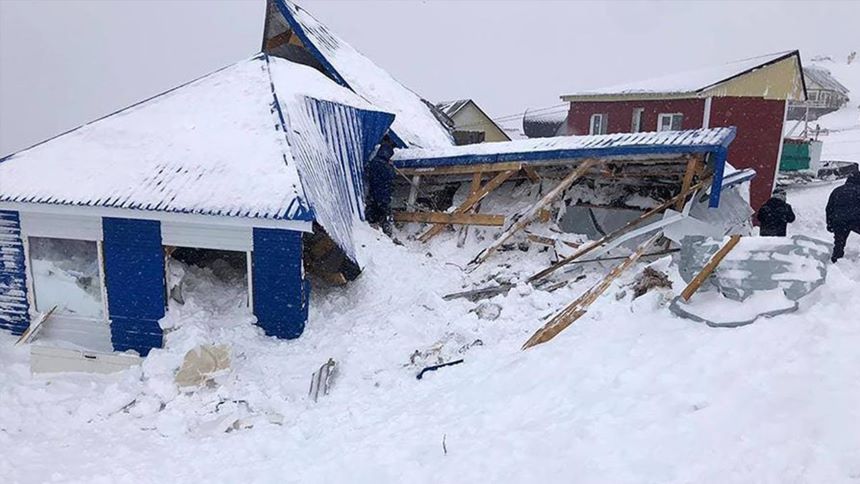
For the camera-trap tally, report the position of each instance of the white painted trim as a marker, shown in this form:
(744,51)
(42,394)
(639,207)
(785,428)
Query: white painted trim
(250,264)
(55,226)
(28,275)
(207,236)
(296,225)
(706,117)
(637,116)
(102,280)
(781,143)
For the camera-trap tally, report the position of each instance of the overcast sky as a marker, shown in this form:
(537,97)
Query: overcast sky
(63,63)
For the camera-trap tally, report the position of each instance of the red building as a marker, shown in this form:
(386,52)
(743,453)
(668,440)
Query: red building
(751,95)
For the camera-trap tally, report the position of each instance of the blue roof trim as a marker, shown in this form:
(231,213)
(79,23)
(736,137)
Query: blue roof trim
(537,156)
(299,30)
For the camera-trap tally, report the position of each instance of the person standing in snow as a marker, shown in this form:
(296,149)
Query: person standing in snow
(843,214)
(775,215)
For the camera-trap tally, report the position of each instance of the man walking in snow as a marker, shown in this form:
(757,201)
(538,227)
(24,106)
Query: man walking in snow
(775,215)
(843,214)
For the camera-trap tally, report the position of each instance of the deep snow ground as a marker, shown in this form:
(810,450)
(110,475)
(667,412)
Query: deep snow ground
(628,394)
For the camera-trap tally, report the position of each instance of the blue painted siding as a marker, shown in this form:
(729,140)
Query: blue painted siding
(14,308)
(280,291)
(134,275)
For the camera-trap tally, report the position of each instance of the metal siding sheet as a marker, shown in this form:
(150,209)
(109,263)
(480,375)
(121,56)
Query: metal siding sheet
(76,227)
(14,307)
(134,276)
(280,291)
(202,236)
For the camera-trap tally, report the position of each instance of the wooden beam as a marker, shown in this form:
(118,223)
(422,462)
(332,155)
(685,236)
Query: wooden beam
(470,202)
(531,173)
(579,307)
(279,40)
(612,235)
(712,264)
(451,218)
(461,169)
(692,163)
(473,188)
(526,218)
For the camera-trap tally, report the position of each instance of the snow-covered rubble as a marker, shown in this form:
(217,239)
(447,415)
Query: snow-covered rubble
(627,394)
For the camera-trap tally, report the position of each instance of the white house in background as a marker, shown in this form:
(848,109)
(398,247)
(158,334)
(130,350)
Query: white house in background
(467,116)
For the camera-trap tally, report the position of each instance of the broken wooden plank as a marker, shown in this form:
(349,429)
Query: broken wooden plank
(478,294)
(279,40)
(692,163)
(526,218)
(712,264)
(580,306)
(612,235)
(462,169)
(531,173)
(470,202)
(451,218)
(34,327)
(473,188)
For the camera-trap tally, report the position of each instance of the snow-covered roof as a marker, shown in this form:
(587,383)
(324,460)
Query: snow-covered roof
(824,79)
(450,108)
(568,147)
(687,82)
(218,146)
(415,125)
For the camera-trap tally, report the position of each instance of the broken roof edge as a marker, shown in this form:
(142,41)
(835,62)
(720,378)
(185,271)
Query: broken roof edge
(429,158)
(633,95)
(595,146)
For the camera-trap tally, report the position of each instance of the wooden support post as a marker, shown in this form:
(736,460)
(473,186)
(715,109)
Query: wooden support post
(692,163)
(475,186)
(470,202)
(712,264)
(526,218)
(413,192)
(612,235)
(451,218)
(577,308)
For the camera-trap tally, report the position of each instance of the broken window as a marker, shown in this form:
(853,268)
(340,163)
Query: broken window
(211,278)
(636,122)
(67,274)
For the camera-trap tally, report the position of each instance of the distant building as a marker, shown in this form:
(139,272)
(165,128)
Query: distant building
(467,116)
(750,94)
(545,122)
(825,94)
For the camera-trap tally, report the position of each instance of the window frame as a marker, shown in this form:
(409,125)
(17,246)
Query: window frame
(671,117)
(31,280)
(636,120)
(603,122)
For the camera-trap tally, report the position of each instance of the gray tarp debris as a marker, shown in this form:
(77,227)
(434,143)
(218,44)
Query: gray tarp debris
(782,268)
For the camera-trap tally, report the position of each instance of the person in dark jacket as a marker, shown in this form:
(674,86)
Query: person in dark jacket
(775,215)
(843,214)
